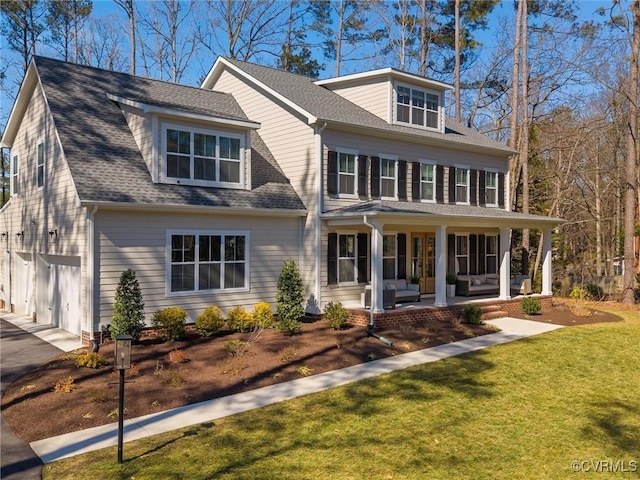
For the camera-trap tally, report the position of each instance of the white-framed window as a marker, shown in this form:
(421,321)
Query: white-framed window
(206,261)
(347,169)
(462,184)
(428,182)
(389,256)
(388,177)
(40,168)
(418,107)
(491,188)
(14,175)
(203,157)
(462,254)
(347,256)
(491,254)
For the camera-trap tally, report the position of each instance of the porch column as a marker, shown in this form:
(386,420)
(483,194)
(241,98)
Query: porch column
(546,262)
(441,267)
(505,264)
(377,283)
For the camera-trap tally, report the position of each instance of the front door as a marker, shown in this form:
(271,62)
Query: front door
(423,261)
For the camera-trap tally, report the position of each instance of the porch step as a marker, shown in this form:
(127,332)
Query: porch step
(491,314)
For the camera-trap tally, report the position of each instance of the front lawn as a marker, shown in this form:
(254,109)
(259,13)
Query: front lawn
(517,411)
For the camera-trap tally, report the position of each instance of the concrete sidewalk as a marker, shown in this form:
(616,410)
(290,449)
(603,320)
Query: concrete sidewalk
(75,443)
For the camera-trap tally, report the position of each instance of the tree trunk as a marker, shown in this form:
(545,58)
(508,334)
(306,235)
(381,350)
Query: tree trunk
(524,148)
(456,70)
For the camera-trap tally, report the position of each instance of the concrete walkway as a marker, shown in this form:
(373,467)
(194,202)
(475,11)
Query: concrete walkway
(24,346)
(75,443)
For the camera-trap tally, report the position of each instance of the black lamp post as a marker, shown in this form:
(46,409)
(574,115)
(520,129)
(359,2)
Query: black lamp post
(122,355)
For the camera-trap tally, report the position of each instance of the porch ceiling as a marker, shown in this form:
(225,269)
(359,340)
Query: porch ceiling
(436,214)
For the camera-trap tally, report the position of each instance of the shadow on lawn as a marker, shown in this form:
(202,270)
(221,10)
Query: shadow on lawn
(610,420)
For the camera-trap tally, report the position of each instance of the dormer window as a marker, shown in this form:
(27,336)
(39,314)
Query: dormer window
(202,157)
(417,107)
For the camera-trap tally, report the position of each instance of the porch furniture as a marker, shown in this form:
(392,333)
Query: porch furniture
(521,285)
(477,284)
(388,297)
(404,292)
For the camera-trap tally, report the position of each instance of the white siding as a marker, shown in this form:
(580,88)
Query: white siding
(138,241)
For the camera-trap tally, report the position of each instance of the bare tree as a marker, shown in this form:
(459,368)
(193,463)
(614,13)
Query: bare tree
(23,24)
(99,44)
(129,10)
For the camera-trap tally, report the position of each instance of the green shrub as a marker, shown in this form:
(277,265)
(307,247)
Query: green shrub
(335,315)
(578,293)
(594,291)
(128,309)
(263,315)
(90,360)
(240,320)
(170,322)
(531,306)
(209,321)
(289,298)
(236,348)
(471,314)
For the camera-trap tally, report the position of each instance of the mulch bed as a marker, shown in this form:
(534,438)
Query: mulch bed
(35,411)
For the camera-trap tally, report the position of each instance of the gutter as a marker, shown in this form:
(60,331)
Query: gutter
(319,209)
(276,212)
(91,265)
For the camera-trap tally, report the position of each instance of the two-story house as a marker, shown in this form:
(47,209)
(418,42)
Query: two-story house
(205,192)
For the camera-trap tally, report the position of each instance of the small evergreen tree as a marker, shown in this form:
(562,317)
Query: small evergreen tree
(128,310)
(290,298)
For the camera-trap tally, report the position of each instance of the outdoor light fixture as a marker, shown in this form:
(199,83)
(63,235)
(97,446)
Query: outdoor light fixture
(20,236)
(4,235)
(122,354)
(53,234)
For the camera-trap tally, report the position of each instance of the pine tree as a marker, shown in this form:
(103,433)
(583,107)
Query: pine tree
(290,298)
(128,310)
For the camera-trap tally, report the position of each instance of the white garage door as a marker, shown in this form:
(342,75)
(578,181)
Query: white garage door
(58,301)
(22,286)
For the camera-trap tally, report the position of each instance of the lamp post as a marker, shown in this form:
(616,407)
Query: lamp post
(122,354)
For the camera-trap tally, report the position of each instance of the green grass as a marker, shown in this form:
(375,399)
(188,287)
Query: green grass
(523,410)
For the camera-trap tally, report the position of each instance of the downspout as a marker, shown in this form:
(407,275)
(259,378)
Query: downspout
(91,271)
(318,212)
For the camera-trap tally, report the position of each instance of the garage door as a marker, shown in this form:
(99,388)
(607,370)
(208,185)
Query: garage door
(58,285)
(23,270)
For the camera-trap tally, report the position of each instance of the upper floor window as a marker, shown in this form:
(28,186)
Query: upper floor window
(14,175)
(205,261)
(491,188)
(347,173)
(428,182)
(40,166)
(201,157)
(388,178)
(462,185)
(417,107)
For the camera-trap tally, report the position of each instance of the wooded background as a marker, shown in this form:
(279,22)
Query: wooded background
(556,80)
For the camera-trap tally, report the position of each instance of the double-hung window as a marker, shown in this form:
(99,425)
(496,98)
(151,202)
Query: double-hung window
(347,173)
(40,169)
(491,254)
(389,257)
(203,157)
(462,254)
(388,178)
(14,175)
(347,254)
(491,188)
(427,182)
(208,261)
(462,185)
(417,107)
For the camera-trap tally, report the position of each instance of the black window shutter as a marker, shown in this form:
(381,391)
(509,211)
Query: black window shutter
(375,177)
(482,187)
(402,180)
(451,253)
(473,254)
(481,254)
(439,184)
(415,181)
(501,190)
(473,191)
(363,257)
(402,255)
(332,177)
(332,259)
(363,166)
(452,184)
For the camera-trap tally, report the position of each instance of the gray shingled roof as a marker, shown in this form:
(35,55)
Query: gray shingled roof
(516,219)
(104,159)
(327,105)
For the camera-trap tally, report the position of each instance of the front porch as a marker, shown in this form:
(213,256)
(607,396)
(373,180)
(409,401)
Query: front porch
(408,313)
